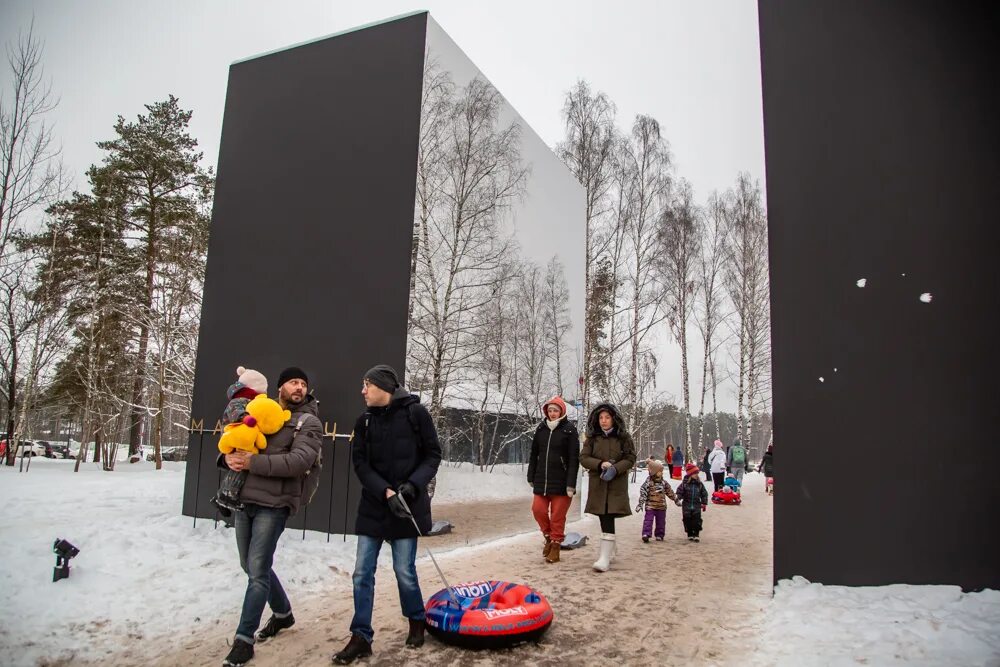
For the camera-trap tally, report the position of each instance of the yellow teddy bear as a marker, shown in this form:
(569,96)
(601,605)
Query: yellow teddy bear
(264,417)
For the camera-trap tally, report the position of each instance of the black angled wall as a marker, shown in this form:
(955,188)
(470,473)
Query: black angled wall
(308,262)
(883,159)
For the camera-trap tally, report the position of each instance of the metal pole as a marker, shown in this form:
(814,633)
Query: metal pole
(451,593)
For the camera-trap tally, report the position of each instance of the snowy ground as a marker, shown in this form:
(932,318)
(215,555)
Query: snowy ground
(145,573)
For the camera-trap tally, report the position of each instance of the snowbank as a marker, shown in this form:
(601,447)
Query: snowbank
(813,624)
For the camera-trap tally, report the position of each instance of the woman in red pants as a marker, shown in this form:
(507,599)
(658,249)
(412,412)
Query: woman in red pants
(552,470)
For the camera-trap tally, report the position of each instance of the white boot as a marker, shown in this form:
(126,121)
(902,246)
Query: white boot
(607,546)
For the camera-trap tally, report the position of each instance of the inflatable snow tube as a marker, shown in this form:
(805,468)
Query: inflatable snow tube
(492,614)
(726,496)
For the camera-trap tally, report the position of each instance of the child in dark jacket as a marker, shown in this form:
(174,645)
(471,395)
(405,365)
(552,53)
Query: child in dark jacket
(248,385)
(693,500)
(653,496)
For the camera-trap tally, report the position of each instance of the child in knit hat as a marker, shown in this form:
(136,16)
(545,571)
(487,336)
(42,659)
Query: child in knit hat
(653,496)
(693,500)
(248,385)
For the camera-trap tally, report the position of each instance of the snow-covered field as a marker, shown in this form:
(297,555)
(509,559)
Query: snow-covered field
(144,572)
(813,624)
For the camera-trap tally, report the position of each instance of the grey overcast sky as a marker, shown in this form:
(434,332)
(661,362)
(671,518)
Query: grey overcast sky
(694,66)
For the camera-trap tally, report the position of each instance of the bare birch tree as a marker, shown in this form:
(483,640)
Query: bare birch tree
(679,235)
(746,281)
(31,176)
(709,303)
(588,152)
(556,318)
(649,156)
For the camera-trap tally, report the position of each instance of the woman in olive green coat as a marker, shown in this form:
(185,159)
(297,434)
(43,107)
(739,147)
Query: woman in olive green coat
(608,455)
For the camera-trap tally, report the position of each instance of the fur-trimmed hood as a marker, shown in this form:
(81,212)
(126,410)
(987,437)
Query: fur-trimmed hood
(594,427)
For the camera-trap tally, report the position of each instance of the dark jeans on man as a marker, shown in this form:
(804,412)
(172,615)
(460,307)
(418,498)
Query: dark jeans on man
(692,523)
(404,554)
(257,531)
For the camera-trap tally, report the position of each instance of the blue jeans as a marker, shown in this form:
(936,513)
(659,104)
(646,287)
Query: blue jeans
(257,531)
(404,553)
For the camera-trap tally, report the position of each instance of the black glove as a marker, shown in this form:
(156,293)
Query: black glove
(408,491)
(397,507)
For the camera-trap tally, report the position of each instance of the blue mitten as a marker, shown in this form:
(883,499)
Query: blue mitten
(609,473)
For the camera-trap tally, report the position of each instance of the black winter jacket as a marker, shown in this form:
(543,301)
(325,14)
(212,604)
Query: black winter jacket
(554,459)
(388,451)
(692,495)
(767,463)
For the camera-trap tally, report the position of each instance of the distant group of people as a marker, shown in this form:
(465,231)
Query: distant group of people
(608,454)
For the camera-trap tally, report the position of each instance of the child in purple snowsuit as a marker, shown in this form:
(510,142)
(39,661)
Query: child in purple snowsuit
(653,496)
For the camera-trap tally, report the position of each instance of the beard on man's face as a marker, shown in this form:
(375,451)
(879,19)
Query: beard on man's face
(294,396)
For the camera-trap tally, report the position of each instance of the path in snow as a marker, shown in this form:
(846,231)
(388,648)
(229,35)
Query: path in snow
(673,599)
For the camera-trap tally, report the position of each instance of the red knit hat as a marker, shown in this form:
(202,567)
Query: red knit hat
(556,401)
(691,469)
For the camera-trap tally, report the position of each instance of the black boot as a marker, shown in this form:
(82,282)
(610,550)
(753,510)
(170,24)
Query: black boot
(358,647)
(416,637)
(275,625)
(240,654)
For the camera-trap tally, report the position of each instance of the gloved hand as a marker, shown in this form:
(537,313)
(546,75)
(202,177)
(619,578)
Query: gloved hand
(570,491)
(638,508)
(704,508)
(609,473)
(678,503)
(408,491)
(531,484)
(396,507)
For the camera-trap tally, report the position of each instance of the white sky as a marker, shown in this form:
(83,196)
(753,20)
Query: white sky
(693,66)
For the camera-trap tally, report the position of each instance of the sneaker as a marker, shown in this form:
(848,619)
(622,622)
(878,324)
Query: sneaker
(275,625)
(690,538)
(240,654)
(358,647)
(659,539)
(695,538)
(645,538)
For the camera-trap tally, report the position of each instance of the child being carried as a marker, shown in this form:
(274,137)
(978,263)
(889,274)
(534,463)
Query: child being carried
(249,385)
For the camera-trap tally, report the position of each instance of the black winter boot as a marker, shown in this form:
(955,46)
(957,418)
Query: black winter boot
(240,654)
(416,637)
(358,647)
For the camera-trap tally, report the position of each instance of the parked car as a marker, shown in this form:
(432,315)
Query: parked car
(58,450)
(29,448)
(170,454)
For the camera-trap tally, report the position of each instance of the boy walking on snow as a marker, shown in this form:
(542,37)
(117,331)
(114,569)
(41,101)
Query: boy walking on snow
(693,500)
(653,496)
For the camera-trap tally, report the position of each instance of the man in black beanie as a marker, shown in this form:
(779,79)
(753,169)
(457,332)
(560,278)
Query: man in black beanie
(396,453)
(273,492)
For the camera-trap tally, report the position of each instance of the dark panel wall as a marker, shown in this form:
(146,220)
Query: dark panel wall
(308,262)
(882,160)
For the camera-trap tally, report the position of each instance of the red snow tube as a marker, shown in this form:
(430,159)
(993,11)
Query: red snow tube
(491,614)
(726,496)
